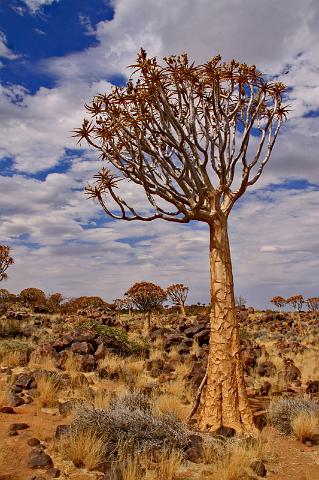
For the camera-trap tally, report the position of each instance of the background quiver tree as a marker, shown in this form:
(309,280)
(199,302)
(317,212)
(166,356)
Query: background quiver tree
(119,305)
(182,133)
(146,297)
(279,301)
(313,305)
(177,293)
(240,301)
(32,297)
(5,261)
(54,301)
(297,302)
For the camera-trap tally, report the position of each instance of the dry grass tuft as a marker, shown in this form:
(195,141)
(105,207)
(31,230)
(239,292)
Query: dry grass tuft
(83,448)
(167,403)
(45,363)
(13,359)
(72,365)
(132,465)
(305,426)
(49,389)
(169,464)
(230,460)
(3,396)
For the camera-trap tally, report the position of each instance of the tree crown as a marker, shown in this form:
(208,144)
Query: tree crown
(182,131)
(177,293)
(146,296)
(5,261)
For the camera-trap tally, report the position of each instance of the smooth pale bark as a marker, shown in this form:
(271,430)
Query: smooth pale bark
(225,398)
(182,309)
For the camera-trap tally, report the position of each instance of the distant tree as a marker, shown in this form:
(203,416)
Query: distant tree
(279,301)
(182,132)
(240,301)
(297,302)
(313,305)
(4,295)
(54,301)
(119,305)
(146,297)
(177,293)
(31,297)
(5,261)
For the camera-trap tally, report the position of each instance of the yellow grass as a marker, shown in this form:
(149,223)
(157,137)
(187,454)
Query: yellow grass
(233,466)
(71,364)
(305,426)
(137,466)
(12,359)
(169,464)
(308,363)
(182,370)
(3,396)
(167,403)
(102,399)
(48,389)
(195,349)
(45,363)
(173,354)
(84,449)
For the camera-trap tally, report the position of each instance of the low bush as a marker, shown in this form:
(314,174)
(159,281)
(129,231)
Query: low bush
(132,421)
(283,412)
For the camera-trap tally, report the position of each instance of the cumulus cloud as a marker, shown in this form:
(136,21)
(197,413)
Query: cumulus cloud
(38,128)
(65,245)
(268,34)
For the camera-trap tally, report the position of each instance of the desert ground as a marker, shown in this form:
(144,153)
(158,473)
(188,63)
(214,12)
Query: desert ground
(88,393)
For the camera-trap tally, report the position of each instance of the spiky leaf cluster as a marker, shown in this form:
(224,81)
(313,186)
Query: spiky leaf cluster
(183,133)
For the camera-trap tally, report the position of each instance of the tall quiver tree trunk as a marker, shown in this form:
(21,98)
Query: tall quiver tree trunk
(182,309)
(225,401)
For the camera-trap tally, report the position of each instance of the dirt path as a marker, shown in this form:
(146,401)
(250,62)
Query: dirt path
(291,459)
(14,451)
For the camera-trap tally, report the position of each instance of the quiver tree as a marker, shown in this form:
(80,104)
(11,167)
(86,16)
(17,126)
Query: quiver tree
(146,297)
(31,297)
(240,301)
(297,302)
(54,301)
(279,301)
(123,304)
(119,305)
(313,305)
(5,261)
(177,293)
(194,138)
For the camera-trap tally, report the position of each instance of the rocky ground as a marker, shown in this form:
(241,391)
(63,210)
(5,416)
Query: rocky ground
(54,366)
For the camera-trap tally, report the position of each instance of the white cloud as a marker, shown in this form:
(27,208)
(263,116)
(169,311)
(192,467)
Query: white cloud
(5,51)
(37,128)
(268,34)
(35,5)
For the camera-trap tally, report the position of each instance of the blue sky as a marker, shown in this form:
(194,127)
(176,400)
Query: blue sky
(55,55)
